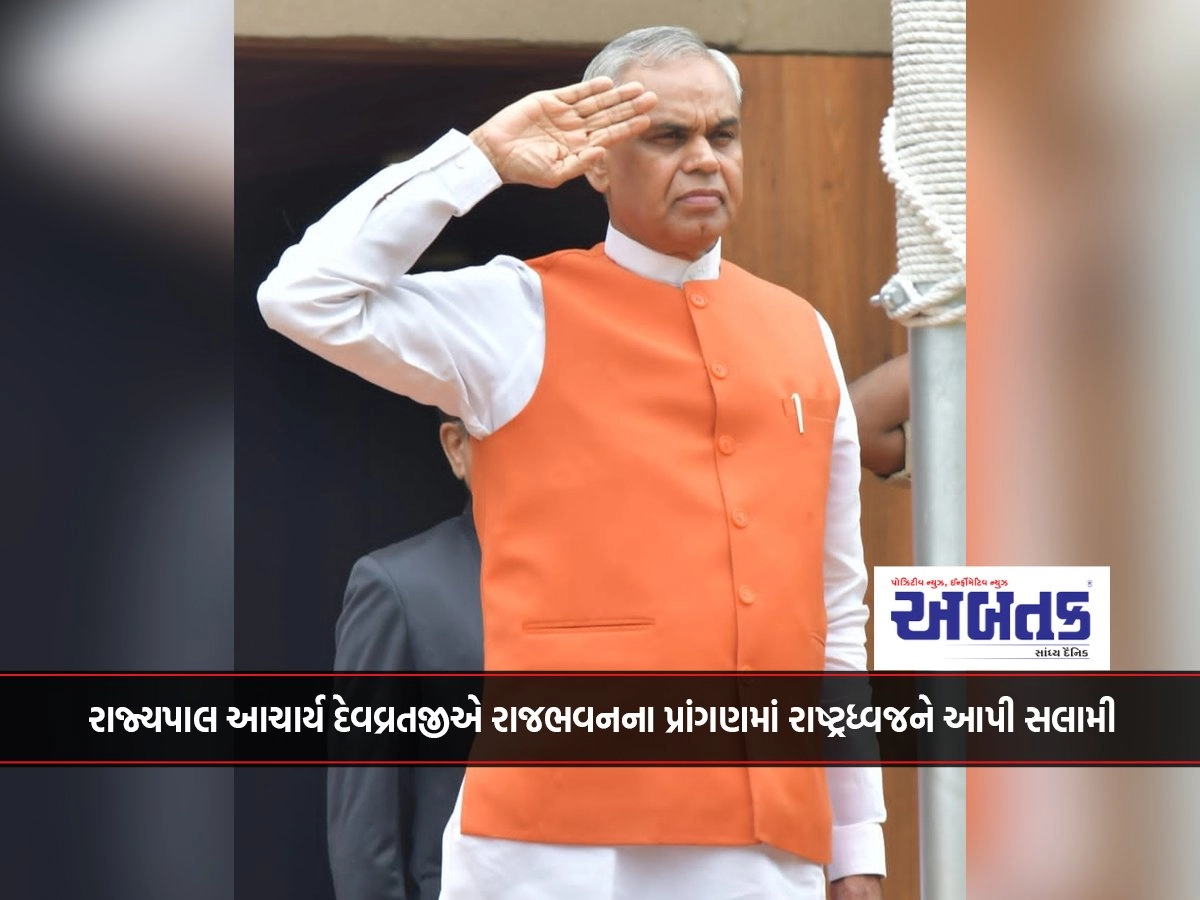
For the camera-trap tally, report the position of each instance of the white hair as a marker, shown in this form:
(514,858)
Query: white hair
(653,46)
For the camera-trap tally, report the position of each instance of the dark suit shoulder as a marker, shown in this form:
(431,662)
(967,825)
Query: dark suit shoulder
(446,535)
(446,546)
(432,581)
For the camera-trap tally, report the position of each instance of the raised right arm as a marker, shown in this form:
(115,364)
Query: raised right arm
(449,339)
(470,341)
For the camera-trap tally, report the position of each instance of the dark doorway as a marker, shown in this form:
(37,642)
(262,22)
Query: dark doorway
(329,467)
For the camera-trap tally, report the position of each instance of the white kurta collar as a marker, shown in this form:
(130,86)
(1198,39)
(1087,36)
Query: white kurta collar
(641,260)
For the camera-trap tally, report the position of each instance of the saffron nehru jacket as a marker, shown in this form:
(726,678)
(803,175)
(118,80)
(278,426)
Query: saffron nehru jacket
(659,504)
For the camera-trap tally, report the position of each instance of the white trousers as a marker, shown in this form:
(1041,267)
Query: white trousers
(477,868)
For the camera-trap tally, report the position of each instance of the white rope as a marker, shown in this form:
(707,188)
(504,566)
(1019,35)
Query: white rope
(923,148)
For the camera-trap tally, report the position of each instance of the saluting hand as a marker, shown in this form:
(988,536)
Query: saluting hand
(552,136)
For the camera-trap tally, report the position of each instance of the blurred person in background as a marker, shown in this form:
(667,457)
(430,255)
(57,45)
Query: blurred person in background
(881,406)
(410,607)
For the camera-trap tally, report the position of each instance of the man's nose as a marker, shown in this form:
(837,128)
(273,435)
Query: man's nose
(700,156)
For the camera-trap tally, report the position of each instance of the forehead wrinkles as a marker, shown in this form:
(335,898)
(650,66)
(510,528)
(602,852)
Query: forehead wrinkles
(692,86)
(691,111)
(698,109)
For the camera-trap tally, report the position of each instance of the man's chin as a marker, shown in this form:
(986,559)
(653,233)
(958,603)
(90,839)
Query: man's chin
(703,233)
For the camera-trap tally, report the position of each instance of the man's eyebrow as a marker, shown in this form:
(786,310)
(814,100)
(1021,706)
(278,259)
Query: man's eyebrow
(669,126)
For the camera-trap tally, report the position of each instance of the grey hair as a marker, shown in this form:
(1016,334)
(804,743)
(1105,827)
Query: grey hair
(656,45)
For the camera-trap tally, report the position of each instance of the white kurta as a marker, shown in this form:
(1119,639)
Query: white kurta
(472,342)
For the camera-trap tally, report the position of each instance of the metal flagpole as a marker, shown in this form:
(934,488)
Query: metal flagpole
(923,147)
(937,361)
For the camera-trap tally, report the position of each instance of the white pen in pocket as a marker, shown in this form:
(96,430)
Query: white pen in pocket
(799,412)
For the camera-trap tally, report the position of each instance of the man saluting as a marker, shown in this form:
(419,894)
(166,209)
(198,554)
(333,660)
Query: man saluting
(666,470)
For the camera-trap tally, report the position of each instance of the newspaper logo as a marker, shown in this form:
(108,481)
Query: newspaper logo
(971,618)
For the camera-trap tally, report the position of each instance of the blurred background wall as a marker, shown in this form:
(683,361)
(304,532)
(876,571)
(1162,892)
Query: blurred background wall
(769,26)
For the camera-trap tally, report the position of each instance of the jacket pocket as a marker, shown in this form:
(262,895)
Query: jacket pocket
(570,626)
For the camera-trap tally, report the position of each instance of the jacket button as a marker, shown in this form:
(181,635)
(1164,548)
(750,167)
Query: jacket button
(699,301)
(726,444)
(745,595)
(719,370)
(740,519)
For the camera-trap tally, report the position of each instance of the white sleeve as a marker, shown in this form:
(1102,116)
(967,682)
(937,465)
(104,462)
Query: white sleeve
(856,794)
(471,342)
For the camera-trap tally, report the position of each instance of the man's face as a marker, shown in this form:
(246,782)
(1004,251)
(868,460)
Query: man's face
(676,186)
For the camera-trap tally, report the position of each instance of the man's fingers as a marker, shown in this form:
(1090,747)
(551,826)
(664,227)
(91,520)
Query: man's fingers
(573,166)
(595,103)
(619,131)
(628,109)
(588,156)
(574,93)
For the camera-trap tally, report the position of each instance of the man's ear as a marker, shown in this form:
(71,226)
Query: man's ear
(456,446)
(597,174)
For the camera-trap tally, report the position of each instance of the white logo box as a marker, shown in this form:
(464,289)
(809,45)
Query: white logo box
(991,618)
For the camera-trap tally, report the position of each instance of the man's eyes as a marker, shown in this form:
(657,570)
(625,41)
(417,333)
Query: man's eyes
(721,138)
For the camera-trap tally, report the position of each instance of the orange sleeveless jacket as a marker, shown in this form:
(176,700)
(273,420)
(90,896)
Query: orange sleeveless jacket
(659,504)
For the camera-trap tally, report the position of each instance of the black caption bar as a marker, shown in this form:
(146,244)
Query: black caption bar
(601,719)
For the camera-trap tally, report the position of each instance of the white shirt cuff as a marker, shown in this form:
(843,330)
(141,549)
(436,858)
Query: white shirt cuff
(463,168)
(857,850)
